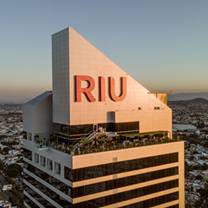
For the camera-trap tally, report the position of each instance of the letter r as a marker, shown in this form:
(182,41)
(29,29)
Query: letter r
(87,91)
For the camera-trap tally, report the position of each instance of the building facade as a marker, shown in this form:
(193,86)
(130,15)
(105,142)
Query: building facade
(99,139)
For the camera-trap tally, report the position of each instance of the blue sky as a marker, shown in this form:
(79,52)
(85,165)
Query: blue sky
(163,43)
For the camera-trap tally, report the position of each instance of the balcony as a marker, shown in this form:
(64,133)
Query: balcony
(101,142)
(42,143)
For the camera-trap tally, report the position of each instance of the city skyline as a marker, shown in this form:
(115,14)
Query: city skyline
(162,44)
(103,104)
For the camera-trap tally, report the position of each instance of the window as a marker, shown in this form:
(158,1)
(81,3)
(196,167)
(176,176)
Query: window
(48,192)
(36,158)
(49,179)
(119,167)
(42,161)
(29,136)
(122,182)
(36,196)
(130,194)
(127,126)
(155,201)
(27,153)
(57,168)
(49,164)
(67,173)
(24,135)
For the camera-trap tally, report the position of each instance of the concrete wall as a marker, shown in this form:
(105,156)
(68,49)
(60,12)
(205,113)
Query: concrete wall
(60,69)
(85,59)
(37,114)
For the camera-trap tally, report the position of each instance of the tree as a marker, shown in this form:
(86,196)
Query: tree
(1,165)
(13,170)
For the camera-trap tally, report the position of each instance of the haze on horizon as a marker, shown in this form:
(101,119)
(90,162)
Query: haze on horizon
(163,44)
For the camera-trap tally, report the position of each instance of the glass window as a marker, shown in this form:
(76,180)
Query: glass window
(36,158)
(67,173)
(37,197)
(27,153)
(119,167)
(57,168)
(29,136)
(123,196)
(49,164)
(24,135)
(155,201)
(121,182)
(49,179)
(127,126)
(48,192)
(42,161)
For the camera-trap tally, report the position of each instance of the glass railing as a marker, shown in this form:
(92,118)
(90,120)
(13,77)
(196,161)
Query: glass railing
(104,143)
(41,142)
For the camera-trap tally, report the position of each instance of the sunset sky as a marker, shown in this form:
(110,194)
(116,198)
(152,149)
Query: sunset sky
(163,43)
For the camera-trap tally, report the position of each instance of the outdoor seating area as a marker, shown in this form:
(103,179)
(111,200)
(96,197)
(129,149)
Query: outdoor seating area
(103,142)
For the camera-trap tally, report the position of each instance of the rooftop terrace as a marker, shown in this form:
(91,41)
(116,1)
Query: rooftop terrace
(102,141)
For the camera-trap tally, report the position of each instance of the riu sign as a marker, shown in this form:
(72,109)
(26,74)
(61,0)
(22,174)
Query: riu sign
(102,84)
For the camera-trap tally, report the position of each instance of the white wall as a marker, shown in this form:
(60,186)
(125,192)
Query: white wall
(37,114)
(60,68)
(85,59)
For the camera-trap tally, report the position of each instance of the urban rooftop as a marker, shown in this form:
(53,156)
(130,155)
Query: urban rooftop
(103,141)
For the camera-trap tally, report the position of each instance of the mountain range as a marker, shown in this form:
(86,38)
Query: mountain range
(187,96)
(187,102)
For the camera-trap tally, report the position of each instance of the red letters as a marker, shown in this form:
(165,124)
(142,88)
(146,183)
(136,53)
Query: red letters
(87,91)
(122,94)
(101,89)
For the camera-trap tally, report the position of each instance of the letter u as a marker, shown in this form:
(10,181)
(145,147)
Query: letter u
(123,90)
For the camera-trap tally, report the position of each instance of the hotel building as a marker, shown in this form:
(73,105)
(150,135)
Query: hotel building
(99,139)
